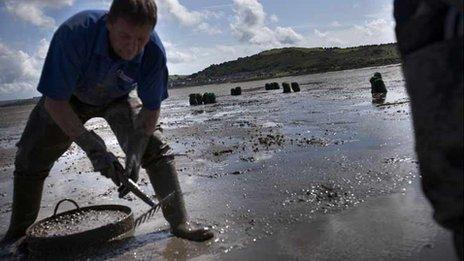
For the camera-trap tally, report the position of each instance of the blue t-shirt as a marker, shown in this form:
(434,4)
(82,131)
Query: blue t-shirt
(78,63)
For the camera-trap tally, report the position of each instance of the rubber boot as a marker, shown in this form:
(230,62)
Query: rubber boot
(163,177)
(27,194)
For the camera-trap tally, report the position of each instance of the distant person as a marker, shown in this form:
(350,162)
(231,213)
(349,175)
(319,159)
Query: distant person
(95,59)
(378,89)
(430,39)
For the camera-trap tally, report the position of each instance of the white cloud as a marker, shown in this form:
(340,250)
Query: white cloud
(319,33)
(180,13)
(274,18)
(287,35)
(249,25)
(216,14)
(106,3)
(189,59)
(378,27)
(32,11)
(374,27)
(385,12)
(371,32)
(189,18)
(207,28)
(229,49)
(176,56)
(335,24)
(43,49)
(327,39)
(20,70)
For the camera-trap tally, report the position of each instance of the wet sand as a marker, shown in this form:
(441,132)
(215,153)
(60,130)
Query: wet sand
(393,227)
(318,175)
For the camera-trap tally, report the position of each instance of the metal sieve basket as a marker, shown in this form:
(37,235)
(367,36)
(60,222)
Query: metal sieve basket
(79,228)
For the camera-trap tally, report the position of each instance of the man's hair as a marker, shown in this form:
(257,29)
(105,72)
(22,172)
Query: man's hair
(138,12)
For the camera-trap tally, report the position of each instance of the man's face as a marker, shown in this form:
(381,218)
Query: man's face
(127,39)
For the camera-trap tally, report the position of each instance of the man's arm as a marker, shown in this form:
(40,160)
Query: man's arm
(147,120)
(102,161)
(64,116)
(145,126)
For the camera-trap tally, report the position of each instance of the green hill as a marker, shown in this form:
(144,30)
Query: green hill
(293,61)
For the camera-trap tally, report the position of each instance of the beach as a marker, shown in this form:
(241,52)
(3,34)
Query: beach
(321,174)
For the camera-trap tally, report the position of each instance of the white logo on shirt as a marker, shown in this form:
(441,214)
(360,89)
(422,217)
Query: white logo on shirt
(124,77)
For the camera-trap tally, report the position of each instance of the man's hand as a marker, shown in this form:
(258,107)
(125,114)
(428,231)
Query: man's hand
(102,161)
(144,126)
(135,150)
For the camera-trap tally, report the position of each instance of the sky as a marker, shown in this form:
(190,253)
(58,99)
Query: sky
(195,33)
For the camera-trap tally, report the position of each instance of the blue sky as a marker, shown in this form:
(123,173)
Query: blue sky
(196,33)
